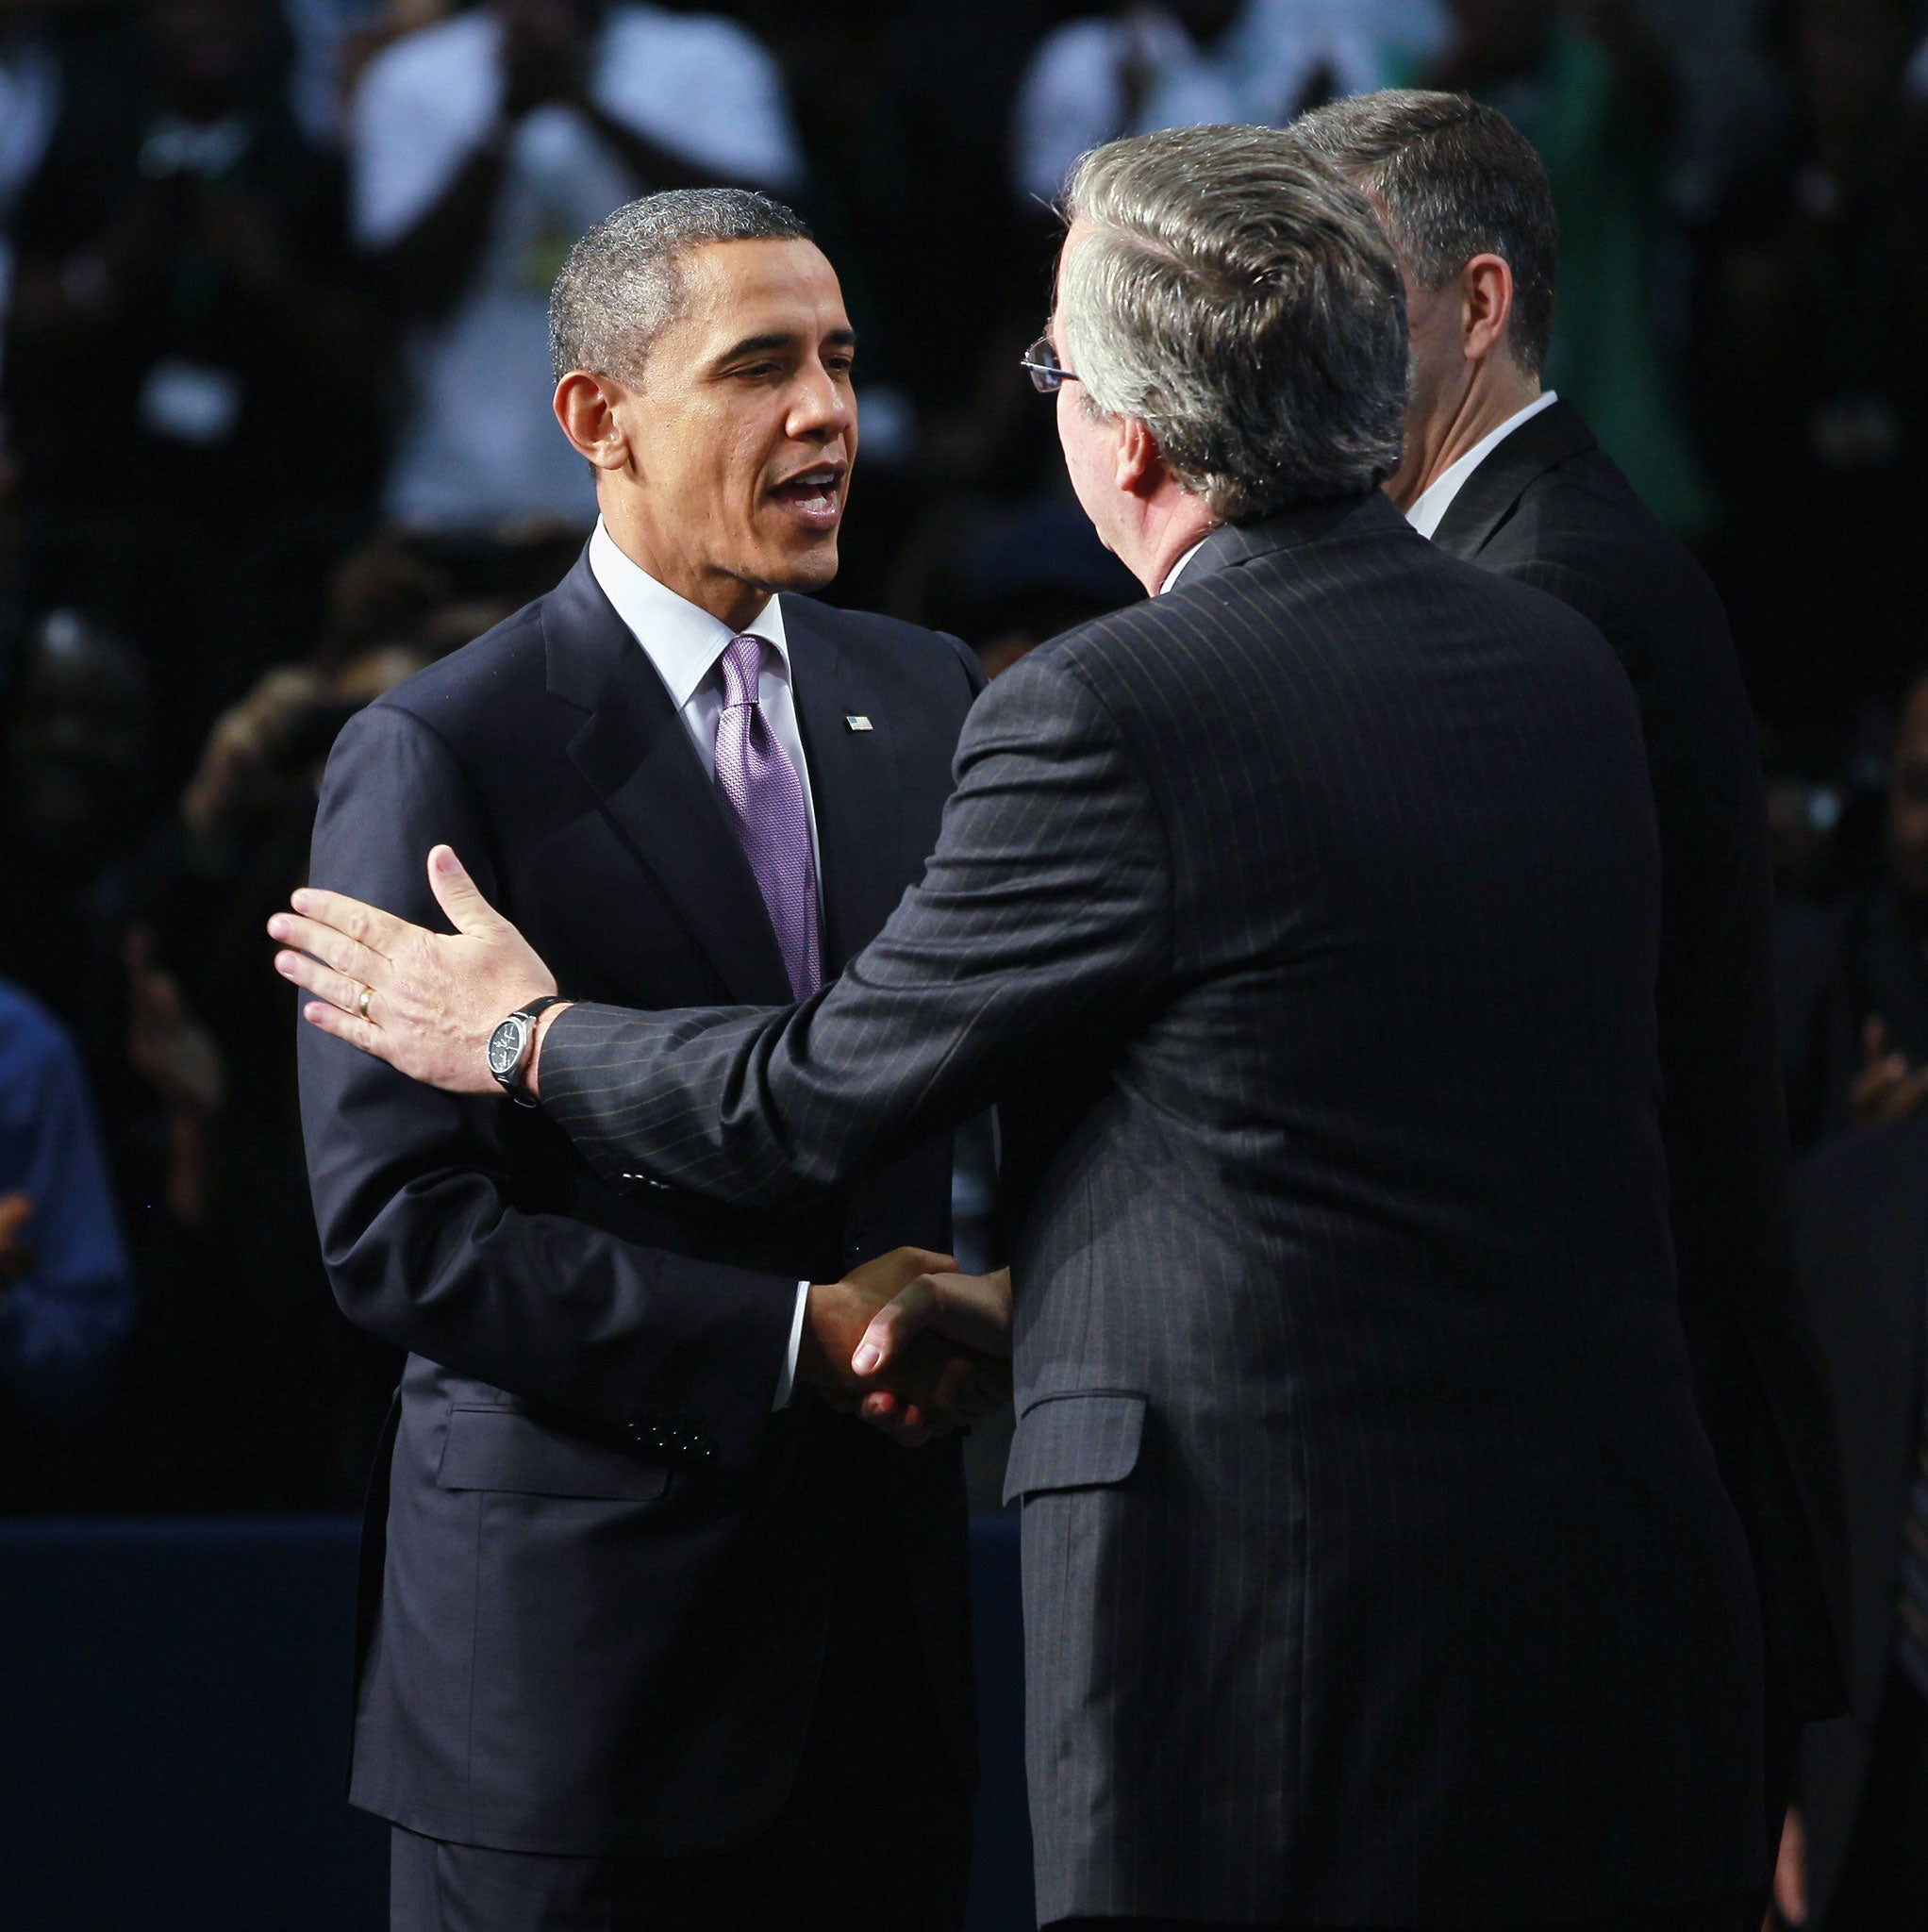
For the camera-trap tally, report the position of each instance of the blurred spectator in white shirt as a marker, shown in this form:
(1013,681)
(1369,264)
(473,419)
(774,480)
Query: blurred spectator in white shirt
(481,147)
(1198,62)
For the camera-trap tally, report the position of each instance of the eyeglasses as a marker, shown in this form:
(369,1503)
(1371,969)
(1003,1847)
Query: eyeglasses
(1048,374)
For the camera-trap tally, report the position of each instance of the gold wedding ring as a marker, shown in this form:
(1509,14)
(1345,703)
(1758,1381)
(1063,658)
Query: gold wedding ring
(362,1005)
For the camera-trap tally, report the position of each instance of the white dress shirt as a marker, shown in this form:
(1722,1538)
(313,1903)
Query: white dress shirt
(683,644)
(1429,511)
(1177,570)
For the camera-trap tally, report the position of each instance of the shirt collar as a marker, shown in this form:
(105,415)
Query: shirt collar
(1177,570)
(1429,511)
(680,640)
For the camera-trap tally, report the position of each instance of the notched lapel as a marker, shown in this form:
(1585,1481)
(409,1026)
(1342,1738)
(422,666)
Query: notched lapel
(636,754)
(854,781)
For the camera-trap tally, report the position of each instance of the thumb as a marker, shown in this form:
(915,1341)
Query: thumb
(894,1326)
(457,895)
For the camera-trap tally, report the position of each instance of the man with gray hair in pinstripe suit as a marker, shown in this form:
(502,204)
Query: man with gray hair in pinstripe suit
(1302,920)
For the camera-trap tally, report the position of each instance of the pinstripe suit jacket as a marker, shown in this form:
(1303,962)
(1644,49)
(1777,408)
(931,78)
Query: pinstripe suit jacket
(1304,922)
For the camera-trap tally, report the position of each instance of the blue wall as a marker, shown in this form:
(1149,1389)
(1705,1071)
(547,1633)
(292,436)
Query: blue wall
(174,1717)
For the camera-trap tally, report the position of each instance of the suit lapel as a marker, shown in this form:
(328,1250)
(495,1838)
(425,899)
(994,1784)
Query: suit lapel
(1491,493)
(635,753)
(852,781)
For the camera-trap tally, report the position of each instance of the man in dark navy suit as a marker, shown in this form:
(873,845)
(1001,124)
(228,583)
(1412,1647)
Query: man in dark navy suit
(1507,475)
(651,1636)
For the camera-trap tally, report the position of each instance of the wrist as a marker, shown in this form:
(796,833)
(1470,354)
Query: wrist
(532,1076)
(825,1346)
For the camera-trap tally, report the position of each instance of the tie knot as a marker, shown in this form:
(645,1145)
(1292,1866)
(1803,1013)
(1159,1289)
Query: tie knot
(743,665)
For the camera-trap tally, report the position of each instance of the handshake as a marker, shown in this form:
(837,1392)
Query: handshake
(907,1344)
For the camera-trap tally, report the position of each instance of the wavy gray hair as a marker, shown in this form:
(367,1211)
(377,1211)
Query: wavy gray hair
(1237,297)
(622,284)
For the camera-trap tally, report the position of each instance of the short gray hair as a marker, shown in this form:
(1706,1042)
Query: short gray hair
(1455,178)
(623,282)
(1238,299)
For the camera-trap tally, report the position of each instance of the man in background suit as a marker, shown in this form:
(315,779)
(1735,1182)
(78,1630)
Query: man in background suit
(1506,476)
(1862,1218)
(652,1638)
(1303,919)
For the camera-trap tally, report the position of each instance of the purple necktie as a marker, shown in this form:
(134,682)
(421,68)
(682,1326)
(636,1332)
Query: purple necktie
(765,798)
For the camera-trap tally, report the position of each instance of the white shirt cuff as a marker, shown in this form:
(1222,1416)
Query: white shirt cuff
(786,1386)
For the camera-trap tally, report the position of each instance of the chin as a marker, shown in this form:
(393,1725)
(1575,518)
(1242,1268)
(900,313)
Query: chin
(807,570)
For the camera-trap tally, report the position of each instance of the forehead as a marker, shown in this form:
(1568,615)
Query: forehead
(757,288)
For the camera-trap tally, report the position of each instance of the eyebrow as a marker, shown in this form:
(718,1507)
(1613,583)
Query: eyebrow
(753,346)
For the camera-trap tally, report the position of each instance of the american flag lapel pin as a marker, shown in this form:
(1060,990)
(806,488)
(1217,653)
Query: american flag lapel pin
(856,721)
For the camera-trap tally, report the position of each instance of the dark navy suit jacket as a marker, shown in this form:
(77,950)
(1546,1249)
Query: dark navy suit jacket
(1862,1223)
(1549,507)
(598,1574)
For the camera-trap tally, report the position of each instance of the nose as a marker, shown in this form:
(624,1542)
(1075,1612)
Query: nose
(822,408)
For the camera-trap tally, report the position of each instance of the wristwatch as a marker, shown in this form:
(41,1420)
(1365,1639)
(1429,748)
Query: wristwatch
(509,1045)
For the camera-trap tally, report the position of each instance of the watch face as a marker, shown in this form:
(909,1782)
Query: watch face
(505,1047)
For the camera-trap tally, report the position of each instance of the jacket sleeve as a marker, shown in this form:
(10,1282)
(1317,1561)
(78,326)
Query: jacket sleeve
(415,1196)
(1043,922)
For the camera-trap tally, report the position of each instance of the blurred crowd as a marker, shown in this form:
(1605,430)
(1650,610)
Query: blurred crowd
(274,434)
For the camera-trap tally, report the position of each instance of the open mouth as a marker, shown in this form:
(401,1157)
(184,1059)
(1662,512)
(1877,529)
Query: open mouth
(815,496)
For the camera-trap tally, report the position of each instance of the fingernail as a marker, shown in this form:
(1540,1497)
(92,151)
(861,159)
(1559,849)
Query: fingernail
(277,927)
(444,860)
(284,963)
(867,1358)
(299,901)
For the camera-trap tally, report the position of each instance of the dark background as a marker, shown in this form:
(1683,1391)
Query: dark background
(199,584)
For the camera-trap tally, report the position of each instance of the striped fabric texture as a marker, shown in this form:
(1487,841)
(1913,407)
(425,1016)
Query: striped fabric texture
(1304,924)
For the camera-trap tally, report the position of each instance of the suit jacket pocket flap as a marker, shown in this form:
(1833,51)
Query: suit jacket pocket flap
(1074,1440)
(501,1449)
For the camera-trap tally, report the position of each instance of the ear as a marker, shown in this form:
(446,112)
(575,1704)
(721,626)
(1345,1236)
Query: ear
(1486,288)
(585,406)
(1140,467)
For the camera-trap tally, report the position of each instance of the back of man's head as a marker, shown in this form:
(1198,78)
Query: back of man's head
(1240,299)
(1454,178)
(623,285)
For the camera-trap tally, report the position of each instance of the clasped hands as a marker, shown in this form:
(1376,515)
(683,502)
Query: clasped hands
(909,1344)
(905,1342)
